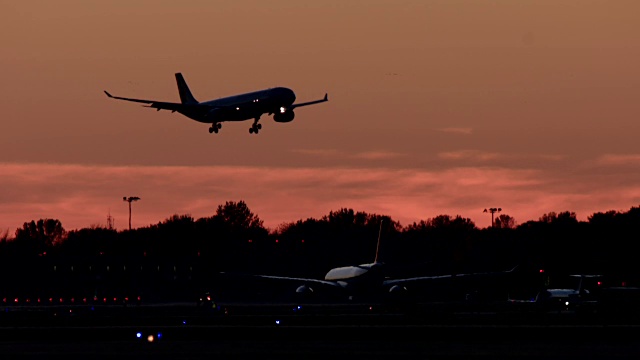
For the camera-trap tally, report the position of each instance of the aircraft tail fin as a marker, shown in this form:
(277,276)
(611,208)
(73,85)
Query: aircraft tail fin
(185,93)
(377,259)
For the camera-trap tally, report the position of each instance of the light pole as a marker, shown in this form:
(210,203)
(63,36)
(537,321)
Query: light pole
(492,211)
(129,200)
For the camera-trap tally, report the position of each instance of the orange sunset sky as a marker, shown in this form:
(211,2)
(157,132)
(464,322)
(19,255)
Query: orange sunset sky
(435,107)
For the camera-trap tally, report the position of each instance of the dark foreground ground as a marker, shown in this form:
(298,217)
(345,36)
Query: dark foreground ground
(286,331)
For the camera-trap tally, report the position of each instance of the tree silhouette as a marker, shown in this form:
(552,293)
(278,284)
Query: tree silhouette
(505,221)
(39,237)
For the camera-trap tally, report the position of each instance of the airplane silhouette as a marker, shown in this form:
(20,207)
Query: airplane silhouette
(278,101)
(367,280)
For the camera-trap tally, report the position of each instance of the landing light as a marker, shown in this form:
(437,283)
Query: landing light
(283,110)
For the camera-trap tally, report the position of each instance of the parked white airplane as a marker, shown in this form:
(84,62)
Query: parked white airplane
(370,279)
(278,101)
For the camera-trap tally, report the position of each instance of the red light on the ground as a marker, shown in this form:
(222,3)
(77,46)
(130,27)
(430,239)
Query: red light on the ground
(84,300)
(276,240)
(249,241)
(60,299)
(599,283)
(104,300)
(15,300)
(624,283)
(302,241)
(541,271)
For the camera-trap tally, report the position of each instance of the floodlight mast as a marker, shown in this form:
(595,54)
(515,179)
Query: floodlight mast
(492,211)
(129,200)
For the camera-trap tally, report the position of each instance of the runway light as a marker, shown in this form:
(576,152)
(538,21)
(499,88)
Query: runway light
(138,335)
(159,336)
(277,322)
(150,338)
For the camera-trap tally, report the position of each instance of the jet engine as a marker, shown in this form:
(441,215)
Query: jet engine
(284,117)
(304,290)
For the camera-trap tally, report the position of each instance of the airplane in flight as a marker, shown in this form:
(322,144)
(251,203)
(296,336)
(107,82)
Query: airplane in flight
(371,281)
(277,101)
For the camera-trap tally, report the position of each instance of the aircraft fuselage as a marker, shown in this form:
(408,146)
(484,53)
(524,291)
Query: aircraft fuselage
(243,106)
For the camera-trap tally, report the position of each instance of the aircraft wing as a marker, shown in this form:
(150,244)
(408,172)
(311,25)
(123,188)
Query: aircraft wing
(293,279)
(160,105)
(442,278)
(326,98)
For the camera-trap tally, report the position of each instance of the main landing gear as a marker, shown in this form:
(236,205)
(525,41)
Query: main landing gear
(255,128)
(214,128)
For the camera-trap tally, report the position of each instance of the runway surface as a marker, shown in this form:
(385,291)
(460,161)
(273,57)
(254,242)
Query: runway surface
(286,331)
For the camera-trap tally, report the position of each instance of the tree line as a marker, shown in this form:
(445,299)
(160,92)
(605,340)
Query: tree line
(235,239)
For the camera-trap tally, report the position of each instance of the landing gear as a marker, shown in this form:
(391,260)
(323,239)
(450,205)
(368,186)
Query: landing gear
(255,128)
(214,128)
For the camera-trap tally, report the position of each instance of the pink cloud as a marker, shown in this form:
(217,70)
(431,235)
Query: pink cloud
(83,196)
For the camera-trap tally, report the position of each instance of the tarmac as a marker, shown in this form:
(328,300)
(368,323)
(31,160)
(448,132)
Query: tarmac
(311,331)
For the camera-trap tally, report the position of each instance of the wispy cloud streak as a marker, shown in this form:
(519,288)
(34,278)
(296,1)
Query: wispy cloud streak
(82,196)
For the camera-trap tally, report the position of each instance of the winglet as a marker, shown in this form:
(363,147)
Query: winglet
(109,95)
(326,98)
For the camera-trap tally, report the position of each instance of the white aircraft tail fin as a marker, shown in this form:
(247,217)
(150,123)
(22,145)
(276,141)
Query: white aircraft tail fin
(376,260)
(185,93)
